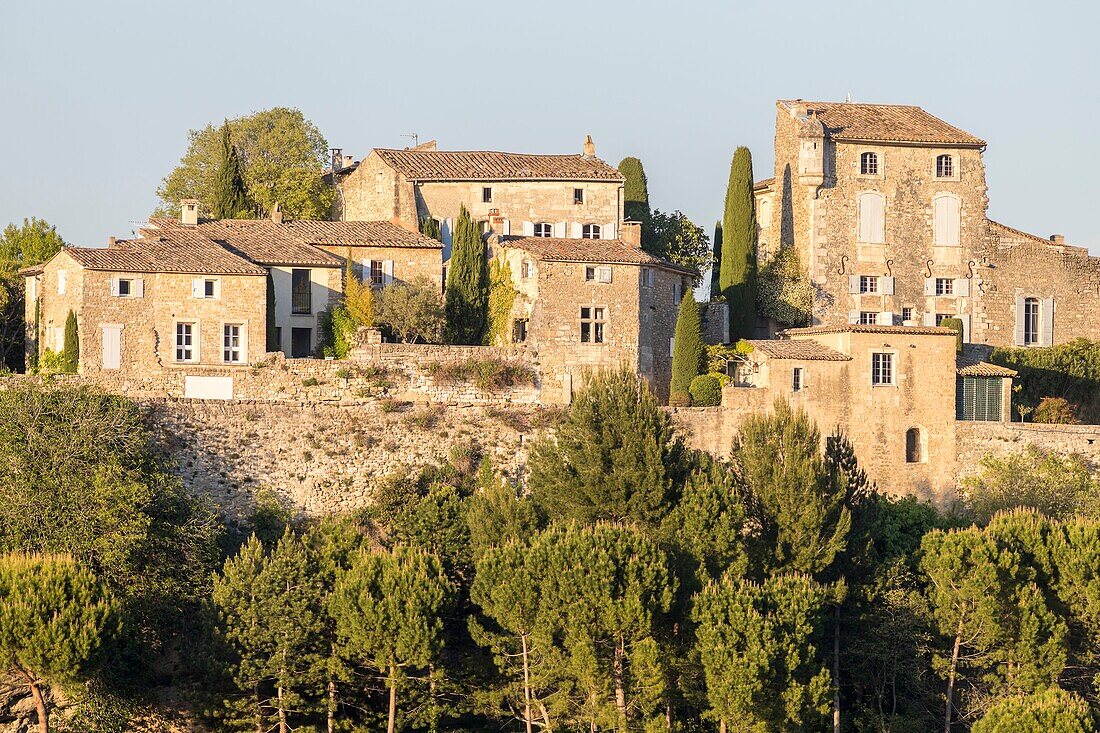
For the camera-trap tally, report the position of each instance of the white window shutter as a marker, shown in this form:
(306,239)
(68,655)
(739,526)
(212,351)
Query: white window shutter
(61,281)
(878,220)
(886,318)
(1046,322)
(603,274)
(138,288)
(966,327)
(576,231)
(197,289)
(1019,338)
(387,272)
(962,287)
(853,284)
(953,224)
(939,220)
(528,229)
(930,319)
(608,231)
(507,227)
(887,285)
(929,286)
(853,316)
(217,288)
(559,230)
(114,286)
(368,265)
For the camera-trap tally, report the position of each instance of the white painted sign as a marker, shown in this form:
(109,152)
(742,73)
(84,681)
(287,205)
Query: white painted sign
(208,388)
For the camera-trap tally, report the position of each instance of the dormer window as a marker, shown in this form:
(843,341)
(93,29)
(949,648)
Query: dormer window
(945,166)
(868,164)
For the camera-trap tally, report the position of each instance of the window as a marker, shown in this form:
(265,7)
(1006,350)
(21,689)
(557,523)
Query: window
(868,318)
(301,291)
(125,288)
(868,283)
(377,274)
(231,343)
(595,273)
(209,288)
(301,342)
(945,220)
(592,325)
(519,330)
(945,286)
(647,277)
(906,314)
(378,184)
(882,369)
(868,164)
(61,281)
(978,398)
(677,293)
(578,195)
(1031,321)
(486,195)
(872,217)
(185,342)
(945,166)
(914,446)
(590,231)
(525,269)
(797,380)
(544,229)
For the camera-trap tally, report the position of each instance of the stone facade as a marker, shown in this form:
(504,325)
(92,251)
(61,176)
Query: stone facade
(886,207)
(395,265)
(980,439)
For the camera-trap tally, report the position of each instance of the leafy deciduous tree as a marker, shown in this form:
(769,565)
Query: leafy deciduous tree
(411,310)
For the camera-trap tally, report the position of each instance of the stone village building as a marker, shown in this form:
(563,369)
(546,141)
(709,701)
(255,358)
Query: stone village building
(886,205)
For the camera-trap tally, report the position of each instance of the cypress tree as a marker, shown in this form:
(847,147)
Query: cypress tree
(716,268)
(635,192)
(689,351)
(467,294)
(230,194)
(738,271)
(957,325)
(70,351)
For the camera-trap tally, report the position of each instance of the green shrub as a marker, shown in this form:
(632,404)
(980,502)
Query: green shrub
(1057,410)
(310,382)
(1070,370)
(337,332)
(706,391)
(957,325)
(487,374)
(679,399)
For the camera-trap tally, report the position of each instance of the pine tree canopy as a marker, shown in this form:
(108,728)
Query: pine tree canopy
(737,277)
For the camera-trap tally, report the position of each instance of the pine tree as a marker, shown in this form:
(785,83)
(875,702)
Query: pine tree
(756,644)
(616,456)
(1050,711)
(689,352)
(467,293)
(230,193)
(716,267)
(498,514)
(387,610)
(70,352)
(55,620)
(738,267)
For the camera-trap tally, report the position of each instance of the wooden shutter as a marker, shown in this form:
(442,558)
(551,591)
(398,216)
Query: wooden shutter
(886,284)
(197,288)
(138,288)
(853,284)
(112,347)
(945,220)
(872,217)
(886,318)
(559,230)
(387,272)
(966,327)
(853,316)
(1046,322)
(930,286)
(528,228)
(507,227)
(576,231)
(930,319)
(608,231)
(114,287)
(1019,338)
(962,287)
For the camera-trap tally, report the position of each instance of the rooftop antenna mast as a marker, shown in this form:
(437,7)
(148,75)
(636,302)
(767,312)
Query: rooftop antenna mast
(415,138)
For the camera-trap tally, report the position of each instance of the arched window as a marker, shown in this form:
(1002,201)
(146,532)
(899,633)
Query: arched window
(945,217)
(868,164)
(872,217)
(945,166)
(914,446)
(590,231)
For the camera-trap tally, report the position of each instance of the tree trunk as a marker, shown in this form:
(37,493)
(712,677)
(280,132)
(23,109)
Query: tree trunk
(951,674)
(391,726)
(526,685)
(331,704)
(722,726)
(836,669)
(619,673)
(547,728)
(259,709)
(39,700)
(283,727)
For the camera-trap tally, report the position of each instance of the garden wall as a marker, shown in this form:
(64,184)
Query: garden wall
(979,439)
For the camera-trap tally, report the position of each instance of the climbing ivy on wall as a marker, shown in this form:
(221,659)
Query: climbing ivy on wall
(501,297)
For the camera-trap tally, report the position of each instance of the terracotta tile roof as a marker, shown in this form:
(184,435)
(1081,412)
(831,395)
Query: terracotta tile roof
(165,251)
(1002,229)
(761,185)
(890,123)
(600,251)
(868,328)
(798,350)
(967,366)
(359,234)
(485,165)
(260,240)
(31,270)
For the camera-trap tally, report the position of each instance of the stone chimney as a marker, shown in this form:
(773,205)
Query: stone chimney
(589,147)
(631,233)
(112,241)
(1058,238)
(277,214)
(189,212)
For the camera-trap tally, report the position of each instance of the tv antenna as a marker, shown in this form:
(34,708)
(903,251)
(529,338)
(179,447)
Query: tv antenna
(415,138)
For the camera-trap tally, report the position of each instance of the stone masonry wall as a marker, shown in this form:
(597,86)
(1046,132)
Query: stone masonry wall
(979,439)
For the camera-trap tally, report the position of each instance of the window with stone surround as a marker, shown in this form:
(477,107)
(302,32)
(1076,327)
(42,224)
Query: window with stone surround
(231,343)
(945,166)
(914,446)
(525,269)
(486,195)
(1031,321)
(868,284)
(301,291)
(593,324)
(945,286)
(597,273)
(882,369)
(868,318)
(590,231)
(797,379)
(578,196)
(544,229)
(647,277)
(906,314)
(868,164)
(185,341)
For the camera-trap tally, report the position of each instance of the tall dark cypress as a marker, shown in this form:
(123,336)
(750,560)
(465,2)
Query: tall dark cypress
(635,191)
(467,294)
(738,273)
(716,268)
(230,195)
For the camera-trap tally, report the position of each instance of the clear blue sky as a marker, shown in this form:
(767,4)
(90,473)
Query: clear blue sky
(98,97)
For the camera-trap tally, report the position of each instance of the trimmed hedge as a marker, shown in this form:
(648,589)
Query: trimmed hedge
(706,391)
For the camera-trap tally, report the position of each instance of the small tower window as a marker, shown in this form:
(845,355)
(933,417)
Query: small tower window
(868,164)
(914,446)
(945,166)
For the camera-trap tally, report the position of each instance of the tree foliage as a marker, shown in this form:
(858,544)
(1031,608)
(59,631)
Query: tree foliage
(1050,711)
(467,290)
(737,276)
(676,238)
(1058,485)
(716,263)
(230,196)
(1070,370)
(689,351)
(635,193)
(70,351)
(502,294)
(785,292)
(413,310)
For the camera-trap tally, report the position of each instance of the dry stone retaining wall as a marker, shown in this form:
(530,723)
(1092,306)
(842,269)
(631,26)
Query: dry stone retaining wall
(979,439)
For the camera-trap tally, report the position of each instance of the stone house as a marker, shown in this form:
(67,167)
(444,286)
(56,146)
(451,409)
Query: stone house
(895,391)
(174,300)
(886,205)
(585,305)
(510,194)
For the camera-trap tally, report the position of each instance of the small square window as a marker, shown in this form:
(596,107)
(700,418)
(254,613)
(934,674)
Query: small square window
(906,314)
(868,164)
(797,379)
(868,283)
(208,288)
(882,369)
(125,288)
(945,286)
(525,269)
(945,166)
(519,330)
(486,195)
(578,195)
(868,318)
(590,272)
(592,325)
(647,277)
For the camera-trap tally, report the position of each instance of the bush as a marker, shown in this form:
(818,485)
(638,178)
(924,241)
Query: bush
(337,332)
(1070,370)
(956,325)
(488,374)
(412,311)
(679,399)
(706,391)
(1056,410)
